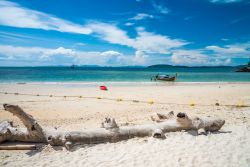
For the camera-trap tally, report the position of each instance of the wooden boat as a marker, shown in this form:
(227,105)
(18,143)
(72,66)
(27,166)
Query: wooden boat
(164,78)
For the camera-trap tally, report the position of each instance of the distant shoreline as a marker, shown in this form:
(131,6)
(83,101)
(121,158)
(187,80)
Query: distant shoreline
(117,75)
(150,66)
(132,83)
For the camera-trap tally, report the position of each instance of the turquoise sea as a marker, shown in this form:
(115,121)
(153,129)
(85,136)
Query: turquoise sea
(118,74)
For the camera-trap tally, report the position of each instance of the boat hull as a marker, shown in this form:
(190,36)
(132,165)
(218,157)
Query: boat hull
(166,79)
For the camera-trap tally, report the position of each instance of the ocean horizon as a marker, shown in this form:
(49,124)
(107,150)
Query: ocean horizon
(88,75)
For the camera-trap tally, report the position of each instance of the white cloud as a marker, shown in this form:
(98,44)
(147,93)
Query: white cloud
(37,56)
(111,53)
(129,24)
(17,16)
(188,57)
(225,1)
(154,43)
(16,35)
(224,39)
(160,8)
(110,33)
(140,58)
(46,54)
(241,50)
(211,55)
(145,41)
(80,44)
(142,16)
(61,51)
(196,58)
(12,52)
(227,49)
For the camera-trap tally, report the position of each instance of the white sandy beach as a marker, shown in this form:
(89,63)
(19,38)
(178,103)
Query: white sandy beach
(229,147)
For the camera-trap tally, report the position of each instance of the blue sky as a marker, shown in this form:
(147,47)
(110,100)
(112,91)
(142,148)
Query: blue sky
(124,32)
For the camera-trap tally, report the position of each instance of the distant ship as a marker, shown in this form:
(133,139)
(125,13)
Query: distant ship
(73,66)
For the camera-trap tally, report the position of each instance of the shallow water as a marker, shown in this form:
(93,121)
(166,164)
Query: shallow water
(118,74)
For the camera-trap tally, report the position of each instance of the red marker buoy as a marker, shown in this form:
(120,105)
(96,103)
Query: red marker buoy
(103,87)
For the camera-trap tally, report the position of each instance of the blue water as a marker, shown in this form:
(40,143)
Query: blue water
(118,74)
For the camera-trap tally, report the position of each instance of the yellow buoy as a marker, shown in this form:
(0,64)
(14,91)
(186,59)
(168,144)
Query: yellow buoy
(98,98)
(151,102)
(240,104)
(118,100)
(191,104)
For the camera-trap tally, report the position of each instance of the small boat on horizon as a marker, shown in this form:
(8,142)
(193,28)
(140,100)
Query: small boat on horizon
(73,66)
(164,77)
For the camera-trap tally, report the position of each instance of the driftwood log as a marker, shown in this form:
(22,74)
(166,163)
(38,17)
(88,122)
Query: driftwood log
(18,147)
(110,131)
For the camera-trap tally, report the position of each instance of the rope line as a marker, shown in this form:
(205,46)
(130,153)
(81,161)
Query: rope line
(151,102)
